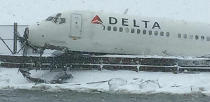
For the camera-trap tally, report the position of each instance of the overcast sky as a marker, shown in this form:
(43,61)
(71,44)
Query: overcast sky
(31,11)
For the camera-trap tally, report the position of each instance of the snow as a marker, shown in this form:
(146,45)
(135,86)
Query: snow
(155,56)
(113,81)
(31,11)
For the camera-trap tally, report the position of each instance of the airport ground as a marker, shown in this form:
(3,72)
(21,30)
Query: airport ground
(73,96)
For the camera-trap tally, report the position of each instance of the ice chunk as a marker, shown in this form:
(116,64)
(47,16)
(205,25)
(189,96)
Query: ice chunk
(115,83)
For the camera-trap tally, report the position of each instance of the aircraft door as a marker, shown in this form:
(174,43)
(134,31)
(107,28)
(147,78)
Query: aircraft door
(76,25)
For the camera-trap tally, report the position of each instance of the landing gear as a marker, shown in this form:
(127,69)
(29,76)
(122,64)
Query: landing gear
(27,75)
(59,79)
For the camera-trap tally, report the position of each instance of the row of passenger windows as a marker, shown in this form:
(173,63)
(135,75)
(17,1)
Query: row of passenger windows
(196,37)
(156,33)
(138,31)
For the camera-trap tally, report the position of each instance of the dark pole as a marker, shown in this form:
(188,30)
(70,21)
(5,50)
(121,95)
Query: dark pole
(15,38)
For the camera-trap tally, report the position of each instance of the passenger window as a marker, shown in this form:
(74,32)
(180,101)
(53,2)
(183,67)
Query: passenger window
(109,28)
(150,32)
(132,30)
(144,31)
(185,36)
(196,37)
(127,30)
(138,31)
(156,33)
(161,33)
(104,28)
(167,34)
(114,28)
(121,29)
(208,38)
(191,36)
(179,35)
(202,37)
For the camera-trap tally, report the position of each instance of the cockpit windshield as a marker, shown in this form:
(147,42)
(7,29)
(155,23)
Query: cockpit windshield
(49,18)
(56,19)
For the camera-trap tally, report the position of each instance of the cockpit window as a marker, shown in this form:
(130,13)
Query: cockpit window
(49,18)
(56,19)
(58,15)
(62,20)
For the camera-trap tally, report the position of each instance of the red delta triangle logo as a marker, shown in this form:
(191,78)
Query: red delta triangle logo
(96,20)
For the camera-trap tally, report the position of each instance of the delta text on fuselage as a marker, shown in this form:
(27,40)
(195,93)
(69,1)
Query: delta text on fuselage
(135,23)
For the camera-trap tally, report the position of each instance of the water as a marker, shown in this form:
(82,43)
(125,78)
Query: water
(73,96)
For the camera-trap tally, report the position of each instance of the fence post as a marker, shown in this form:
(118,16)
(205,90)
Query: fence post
(15,38)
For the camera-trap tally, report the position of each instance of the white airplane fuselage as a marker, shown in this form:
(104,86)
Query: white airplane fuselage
(122,34)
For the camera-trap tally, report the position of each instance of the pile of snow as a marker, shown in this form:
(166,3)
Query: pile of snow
(113,81)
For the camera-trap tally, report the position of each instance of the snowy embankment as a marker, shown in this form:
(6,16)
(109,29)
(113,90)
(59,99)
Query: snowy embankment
(113,81)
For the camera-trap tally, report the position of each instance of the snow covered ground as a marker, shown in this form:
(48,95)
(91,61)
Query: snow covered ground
(113,81)
(32,11)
